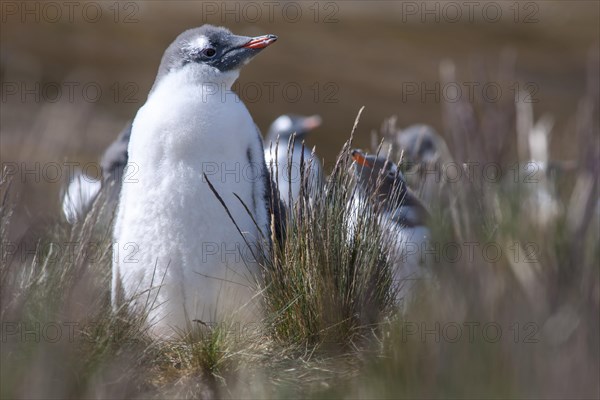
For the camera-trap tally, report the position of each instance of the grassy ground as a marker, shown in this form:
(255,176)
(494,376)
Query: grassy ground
(522,323)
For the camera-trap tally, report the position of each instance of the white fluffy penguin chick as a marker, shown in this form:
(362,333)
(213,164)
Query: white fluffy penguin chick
(178,255)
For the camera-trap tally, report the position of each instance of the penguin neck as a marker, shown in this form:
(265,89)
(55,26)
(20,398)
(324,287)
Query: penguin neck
(385,194)
(187,115)
(205,80)
(407,210)
(398,203)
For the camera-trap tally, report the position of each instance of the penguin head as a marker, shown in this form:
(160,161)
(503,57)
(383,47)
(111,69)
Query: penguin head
(288,124)
(382,182)
(213,53)
(420,143)
(378,176)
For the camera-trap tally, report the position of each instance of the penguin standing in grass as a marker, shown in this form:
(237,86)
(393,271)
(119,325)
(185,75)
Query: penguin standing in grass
(402,217)
(189,226)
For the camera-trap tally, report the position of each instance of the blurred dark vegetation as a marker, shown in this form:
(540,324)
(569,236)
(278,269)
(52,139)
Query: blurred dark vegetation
(368,52)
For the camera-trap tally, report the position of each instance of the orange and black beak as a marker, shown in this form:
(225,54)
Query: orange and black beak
(260,42)
(360,158)
(241,50)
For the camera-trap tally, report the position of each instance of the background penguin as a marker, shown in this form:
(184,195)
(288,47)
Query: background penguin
(82,190)
(285,167)
(422,144)
(540,202)
(424,156)
(402,216)
(178,254)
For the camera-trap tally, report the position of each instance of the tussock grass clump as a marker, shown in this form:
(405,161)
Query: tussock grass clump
(330,279)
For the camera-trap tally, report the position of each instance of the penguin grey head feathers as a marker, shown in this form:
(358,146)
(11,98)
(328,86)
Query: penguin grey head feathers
(382,181)
(420,143)
(211,46)
(377,175)
(288,124)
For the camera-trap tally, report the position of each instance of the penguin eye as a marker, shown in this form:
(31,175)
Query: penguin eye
(209,52)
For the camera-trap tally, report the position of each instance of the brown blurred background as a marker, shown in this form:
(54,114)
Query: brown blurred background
(342,55)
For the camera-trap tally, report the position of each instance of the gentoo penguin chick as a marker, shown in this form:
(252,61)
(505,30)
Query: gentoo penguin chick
(286,168)
(426,154)
(401,214)
(422,144)
(179,256)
